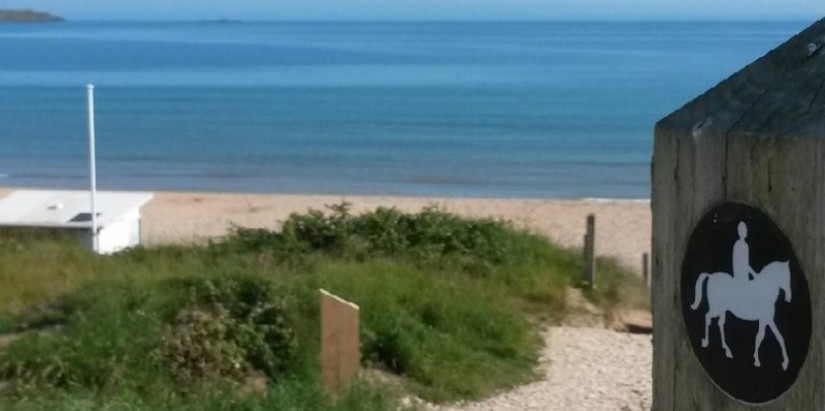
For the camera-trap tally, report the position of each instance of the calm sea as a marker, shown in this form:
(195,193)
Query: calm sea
(446,109)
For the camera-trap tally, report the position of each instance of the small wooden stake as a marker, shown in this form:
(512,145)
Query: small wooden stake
(340,345)
(646,268)
(590,252)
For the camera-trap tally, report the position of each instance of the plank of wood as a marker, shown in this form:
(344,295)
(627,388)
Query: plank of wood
(687,182)
(340,344)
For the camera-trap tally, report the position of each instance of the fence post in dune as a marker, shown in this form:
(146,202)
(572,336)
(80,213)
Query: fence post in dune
(590,252)
(340,343)
(646,268)
(738,242)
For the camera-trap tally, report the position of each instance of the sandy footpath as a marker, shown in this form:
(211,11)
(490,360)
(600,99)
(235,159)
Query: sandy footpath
(585,369)
(622,227)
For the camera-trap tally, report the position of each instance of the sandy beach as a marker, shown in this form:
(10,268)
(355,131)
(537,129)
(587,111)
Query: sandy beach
(622,226)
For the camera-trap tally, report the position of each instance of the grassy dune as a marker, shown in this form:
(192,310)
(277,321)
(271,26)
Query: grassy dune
(452,306)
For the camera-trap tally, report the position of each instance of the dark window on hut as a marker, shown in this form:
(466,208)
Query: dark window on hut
(82,218)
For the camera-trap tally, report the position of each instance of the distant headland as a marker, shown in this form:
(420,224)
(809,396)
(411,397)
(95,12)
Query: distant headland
(27,16)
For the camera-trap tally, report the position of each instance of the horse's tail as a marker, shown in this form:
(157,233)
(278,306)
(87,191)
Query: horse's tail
(699,282)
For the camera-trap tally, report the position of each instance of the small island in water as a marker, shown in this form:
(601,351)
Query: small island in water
(27,16)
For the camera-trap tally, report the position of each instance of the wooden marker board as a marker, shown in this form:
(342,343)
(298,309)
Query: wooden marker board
(751,150)
(340,342)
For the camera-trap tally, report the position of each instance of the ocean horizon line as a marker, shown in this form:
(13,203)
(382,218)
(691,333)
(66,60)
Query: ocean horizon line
(629,20)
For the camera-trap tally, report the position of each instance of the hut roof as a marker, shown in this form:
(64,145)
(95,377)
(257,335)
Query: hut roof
(67,209)
(778,95)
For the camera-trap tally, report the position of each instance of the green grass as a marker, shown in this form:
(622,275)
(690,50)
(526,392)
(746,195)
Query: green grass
(451,305)
(617,289)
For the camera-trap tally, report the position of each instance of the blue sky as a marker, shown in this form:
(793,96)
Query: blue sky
(427,9)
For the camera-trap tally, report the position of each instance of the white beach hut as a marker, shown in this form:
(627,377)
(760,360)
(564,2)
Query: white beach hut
(118,215)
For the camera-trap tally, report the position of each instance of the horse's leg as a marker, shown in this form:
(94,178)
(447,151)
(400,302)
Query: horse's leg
(781,344)
(708,318)
(759,336)
(721,323)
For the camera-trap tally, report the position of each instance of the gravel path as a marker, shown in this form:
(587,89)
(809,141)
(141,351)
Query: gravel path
(587,369)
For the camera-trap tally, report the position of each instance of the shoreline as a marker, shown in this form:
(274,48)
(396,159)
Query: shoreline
(11,187)
(623,226)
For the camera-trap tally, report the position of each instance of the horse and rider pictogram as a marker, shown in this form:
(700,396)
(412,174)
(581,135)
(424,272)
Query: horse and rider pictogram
(748,295)
(745,302)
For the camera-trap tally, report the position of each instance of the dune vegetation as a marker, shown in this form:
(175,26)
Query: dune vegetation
(451,308)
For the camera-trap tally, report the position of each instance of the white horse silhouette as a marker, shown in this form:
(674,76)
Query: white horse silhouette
(752,300)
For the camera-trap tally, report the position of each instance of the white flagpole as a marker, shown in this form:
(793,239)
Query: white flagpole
(90,89)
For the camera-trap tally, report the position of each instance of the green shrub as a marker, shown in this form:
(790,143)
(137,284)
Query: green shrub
(199,345)
(230,327)
(431,237)
(193,330)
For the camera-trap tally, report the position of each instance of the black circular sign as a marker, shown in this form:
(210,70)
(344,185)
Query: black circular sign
(745,303)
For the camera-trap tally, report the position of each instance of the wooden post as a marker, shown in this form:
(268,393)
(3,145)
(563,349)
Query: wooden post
(646,269)
(340,346)
(757,140)
(590,252)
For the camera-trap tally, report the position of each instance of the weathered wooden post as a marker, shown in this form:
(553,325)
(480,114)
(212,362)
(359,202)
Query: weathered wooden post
(739,239)
(590,252)
(646,268)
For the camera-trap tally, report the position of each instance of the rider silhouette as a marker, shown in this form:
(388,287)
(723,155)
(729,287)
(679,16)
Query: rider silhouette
(742,270)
